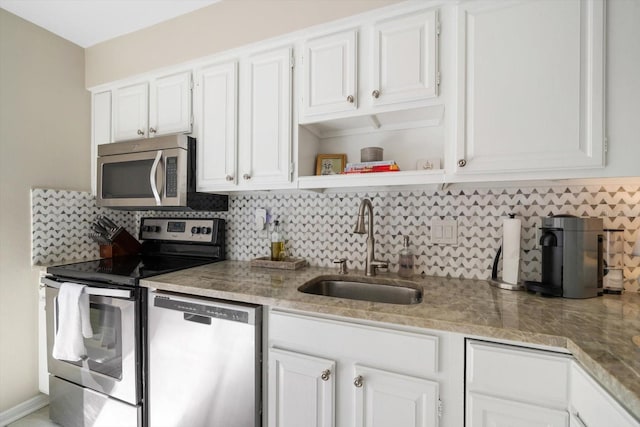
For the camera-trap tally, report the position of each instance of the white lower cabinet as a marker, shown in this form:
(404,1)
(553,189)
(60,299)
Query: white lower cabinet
(487,411)
(592,406)
(326,372)
(391,399)
(510,386)
(302,389)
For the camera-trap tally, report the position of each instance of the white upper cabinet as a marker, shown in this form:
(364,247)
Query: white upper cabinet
(265,120)
(217,109)
(170,105)
(405,53)
(330,73)
(148,109)
(530,83)
(378,66)
(130,112)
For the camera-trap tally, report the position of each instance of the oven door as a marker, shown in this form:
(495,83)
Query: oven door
(143,179)
(112,354)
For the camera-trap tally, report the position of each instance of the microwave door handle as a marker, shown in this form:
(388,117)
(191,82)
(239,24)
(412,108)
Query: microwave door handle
(152,179)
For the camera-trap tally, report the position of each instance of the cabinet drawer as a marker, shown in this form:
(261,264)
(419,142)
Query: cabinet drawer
(526,375)
(415,353)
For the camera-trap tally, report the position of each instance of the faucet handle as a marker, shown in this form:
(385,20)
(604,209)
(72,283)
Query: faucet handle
(380,264)
(343,265)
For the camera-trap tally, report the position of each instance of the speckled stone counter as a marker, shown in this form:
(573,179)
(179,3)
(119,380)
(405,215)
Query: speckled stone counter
(603,333)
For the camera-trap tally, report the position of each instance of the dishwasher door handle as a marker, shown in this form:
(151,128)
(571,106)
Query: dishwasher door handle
(197,318)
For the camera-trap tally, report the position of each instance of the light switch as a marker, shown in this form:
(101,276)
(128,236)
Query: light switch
(444,231)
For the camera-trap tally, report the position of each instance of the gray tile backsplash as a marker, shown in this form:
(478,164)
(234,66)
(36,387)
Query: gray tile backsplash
(318,226)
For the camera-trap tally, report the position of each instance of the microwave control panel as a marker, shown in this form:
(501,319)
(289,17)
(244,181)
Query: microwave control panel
(194,230)
(171,177)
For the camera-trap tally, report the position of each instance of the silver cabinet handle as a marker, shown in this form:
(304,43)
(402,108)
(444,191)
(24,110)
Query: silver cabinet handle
(229,178)
(375,93)
(152,130)
(152,178)
(350,99)
(326,374)
(462,163)
(140,132)
(246,176)
(357,381)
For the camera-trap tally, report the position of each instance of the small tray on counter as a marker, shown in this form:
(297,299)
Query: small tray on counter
(288,263)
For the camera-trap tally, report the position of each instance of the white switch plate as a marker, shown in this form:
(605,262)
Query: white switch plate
(444,231)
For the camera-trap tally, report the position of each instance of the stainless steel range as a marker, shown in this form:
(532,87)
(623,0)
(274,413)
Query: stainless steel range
(107,386)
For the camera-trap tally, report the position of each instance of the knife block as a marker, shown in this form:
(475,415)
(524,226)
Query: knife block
(122,243)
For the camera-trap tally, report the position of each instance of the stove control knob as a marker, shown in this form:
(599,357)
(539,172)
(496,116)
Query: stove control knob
(156,228)
(195,230)
(146,228)
(206,230)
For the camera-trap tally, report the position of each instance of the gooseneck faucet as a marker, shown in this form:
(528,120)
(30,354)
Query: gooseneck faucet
(370,264)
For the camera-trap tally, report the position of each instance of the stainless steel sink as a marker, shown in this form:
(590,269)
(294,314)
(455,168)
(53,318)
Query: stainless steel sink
(364,289)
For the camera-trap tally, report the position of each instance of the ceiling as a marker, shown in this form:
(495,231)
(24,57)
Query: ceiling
(88,22)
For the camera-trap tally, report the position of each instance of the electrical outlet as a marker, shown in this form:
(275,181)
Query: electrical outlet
(427,164)
(444,231)
(260,219)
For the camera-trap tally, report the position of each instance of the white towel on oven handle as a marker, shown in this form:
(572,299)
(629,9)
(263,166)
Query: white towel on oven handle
(74,323)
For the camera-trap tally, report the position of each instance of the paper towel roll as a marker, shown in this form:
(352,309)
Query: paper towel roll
(511,250)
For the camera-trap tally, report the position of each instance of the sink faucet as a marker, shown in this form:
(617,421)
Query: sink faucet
(370,264)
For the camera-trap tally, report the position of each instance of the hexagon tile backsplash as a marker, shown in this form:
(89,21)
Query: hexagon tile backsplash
(318,226)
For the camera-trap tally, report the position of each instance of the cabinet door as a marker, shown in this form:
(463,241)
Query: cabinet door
(486,411)
(130,112)
(101,118)
(301,390)
(265,139)
(170,105)
(330,74)
(530,86)
(217,94)
(405,59)
(389,399)
(592,406)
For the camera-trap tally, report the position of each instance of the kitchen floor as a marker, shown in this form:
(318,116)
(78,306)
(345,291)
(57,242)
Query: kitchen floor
(40,418)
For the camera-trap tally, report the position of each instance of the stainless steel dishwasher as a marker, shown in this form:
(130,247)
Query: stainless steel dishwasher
(204,362)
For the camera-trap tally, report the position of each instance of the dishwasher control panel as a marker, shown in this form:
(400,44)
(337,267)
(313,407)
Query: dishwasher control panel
(217,311)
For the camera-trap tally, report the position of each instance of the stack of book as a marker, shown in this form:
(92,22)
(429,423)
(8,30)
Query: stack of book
(367,167)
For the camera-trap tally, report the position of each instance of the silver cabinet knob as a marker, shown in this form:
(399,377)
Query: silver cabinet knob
(229,177)
(246,176)
(152,130)
(140,132)
(357,381)
(350,99)
(375,93)
(462,163)
(326,374)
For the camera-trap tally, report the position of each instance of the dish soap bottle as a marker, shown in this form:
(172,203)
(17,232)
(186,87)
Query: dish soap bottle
(405,260)
(277,243)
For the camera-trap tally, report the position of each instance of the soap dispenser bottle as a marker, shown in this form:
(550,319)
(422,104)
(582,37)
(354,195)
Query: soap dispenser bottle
(405,260)
(277,243)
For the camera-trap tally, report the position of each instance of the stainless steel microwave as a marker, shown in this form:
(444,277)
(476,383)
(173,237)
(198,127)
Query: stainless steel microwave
(154,174)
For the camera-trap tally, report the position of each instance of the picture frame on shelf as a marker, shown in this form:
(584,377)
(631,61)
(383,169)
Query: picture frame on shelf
(330,164)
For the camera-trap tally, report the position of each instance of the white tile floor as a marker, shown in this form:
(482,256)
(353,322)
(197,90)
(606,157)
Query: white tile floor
(39,418)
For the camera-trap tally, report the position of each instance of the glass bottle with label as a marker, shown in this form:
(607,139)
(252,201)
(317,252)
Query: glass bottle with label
(405,260)
(277,243)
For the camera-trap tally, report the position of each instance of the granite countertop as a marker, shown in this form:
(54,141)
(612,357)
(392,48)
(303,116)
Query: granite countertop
(602,333)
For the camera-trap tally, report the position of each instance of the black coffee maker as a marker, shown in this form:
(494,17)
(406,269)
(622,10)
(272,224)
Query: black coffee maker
(572,265)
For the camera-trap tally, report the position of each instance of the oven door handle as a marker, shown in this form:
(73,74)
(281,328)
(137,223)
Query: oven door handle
(100,292)
(152,178)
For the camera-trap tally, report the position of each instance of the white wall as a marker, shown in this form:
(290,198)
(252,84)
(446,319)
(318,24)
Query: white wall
(44,142)
(216,28)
